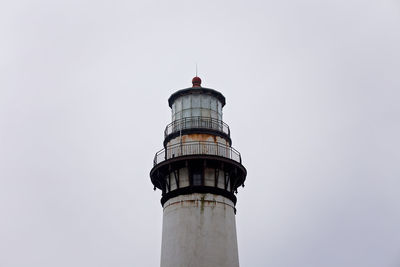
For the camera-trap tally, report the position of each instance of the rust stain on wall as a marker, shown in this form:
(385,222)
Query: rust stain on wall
(199,137)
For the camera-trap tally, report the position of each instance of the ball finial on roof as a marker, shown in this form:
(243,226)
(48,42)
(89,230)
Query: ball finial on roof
(196,81)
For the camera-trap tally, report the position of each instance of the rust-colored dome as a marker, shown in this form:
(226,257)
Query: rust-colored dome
(196,81)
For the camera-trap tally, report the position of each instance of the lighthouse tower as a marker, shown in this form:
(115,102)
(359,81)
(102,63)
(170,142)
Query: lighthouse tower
(198,172)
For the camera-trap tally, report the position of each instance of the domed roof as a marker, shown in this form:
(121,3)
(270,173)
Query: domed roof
(196,89)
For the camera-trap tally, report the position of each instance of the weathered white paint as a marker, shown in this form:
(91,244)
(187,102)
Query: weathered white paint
(199,230)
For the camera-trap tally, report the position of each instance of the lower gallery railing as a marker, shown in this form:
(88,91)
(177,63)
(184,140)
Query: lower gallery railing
(197,148)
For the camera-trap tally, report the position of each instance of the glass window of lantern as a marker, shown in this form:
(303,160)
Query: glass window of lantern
(219,105)
(186,102)
(186,113)
(214,114)
(205,112)
(195,101)
(178,105)
(178,115)
(205,101)
(214,104)
(196,112)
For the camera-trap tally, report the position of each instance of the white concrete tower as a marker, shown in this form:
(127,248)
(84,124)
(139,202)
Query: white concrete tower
(198,173)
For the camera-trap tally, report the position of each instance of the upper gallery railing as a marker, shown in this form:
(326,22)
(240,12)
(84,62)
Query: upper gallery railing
(196,122)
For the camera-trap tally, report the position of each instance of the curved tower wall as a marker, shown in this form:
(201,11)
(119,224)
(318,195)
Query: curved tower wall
(199,230)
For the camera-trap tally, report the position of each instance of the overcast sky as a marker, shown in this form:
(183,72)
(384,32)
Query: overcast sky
(312,90)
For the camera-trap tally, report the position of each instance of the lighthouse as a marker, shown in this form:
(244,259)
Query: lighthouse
(198,172)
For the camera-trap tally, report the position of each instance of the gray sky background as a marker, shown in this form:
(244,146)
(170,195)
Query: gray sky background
(312,92)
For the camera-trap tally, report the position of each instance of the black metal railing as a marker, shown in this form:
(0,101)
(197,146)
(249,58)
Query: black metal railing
(197,148)
(196,122)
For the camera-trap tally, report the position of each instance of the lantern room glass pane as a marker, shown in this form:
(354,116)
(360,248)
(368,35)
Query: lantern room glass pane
(205,112)
(186,102)
(205,101)
(214,104)
(186,113)
(195,101)
(219,107)
(178,105)
(196,112)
